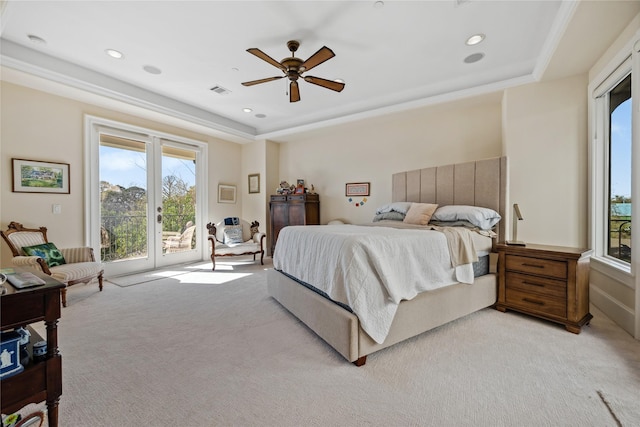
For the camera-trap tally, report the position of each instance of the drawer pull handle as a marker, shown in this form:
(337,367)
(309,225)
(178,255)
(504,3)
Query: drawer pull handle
(533,284)
(532,265)
(532,301)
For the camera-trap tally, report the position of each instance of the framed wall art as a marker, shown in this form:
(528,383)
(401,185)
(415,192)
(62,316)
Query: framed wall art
(34,176)
(254,183)
(357,189)
(226,193)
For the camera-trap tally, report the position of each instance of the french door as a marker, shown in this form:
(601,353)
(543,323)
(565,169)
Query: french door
(146,196)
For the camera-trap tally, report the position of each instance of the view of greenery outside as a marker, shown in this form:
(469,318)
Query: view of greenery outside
(124,216)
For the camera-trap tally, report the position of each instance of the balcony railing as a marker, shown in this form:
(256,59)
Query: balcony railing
(620,238)
(125,236)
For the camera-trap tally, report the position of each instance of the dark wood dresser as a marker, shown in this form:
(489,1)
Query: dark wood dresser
(549,282)
(40,381)
(292,209)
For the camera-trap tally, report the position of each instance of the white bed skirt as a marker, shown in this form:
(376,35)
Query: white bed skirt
(341,329)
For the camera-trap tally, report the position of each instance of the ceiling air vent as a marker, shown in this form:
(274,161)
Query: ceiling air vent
(220,90)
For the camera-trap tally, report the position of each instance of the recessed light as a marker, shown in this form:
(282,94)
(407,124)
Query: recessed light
(151,69)
(261,116)
(475,39)
(474,57)
(247,110)
(378,4)
(114,53)
(235,70)
(36,39)
(339,80)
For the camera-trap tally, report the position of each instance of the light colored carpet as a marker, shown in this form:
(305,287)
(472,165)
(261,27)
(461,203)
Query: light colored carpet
(213,349)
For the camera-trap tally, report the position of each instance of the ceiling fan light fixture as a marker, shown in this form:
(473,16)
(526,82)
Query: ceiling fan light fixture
(475,39)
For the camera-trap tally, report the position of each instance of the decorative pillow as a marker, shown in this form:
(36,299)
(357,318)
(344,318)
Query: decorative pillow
(483,218)
(392,216)
(420,213)
(402,207)
(233,234)
(48,252)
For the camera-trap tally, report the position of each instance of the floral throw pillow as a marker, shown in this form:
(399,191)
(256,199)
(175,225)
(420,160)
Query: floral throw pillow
(47,251)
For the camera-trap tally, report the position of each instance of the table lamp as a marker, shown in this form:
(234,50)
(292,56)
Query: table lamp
(517,216)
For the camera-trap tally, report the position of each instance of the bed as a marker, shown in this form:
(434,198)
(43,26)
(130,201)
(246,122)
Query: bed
(480,183)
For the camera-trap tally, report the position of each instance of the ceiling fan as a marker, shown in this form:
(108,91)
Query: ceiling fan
(293,68)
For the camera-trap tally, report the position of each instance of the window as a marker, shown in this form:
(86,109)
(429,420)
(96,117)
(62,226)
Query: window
(613,162)
(619,171)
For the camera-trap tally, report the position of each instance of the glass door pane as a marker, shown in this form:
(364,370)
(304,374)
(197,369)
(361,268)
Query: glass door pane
(124,215)
(178,204)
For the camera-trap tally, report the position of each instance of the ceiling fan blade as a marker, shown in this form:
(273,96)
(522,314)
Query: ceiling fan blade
(329,84)
(323,54)
(260,54)
(255,82)
(294,92)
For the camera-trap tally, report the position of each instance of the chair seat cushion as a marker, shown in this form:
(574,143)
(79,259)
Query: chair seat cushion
(81,270)
(237,249)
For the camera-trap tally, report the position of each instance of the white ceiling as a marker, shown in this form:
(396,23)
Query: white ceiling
(402,55)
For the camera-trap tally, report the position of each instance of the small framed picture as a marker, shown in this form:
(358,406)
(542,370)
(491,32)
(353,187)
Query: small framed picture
(300,183)
(357,189)
(34,176)
(299,190)
(226,193)
(254,183)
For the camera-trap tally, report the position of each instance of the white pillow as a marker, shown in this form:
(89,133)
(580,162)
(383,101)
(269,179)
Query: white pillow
(483,218)
(420,213)
(232,234)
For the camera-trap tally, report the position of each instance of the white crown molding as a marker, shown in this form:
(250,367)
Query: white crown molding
(60,71)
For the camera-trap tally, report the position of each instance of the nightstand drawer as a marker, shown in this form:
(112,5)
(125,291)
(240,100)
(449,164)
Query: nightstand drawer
(537,303)
(538,285)
(542,267)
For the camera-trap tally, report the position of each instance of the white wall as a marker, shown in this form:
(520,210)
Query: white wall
(372,150)
(545,139)
(40,126)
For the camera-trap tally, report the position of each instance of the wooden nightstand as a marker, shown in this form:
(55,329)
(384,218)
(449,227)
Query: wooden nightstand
(549,282)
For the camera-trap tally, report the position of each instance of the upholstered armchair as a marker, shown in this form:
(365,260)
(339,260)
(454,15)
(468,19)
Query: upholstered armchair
(181,242)
(236,239)
(32,250)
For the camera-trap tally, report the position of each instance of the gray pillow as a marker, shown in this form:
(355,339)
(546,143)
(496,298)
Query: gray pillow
(483,218)
(232,234)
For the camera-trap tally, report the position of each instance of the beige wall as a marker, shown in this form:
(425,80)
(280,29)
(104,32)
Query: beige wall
(40,126)
(545,139)
(372,150)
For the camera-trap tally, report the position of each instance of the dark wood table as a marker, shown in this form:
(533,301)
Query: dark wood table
(40,381)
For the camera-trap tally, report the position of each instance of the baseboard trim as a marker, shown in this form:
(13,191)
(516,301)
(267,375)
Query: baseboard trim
(621,314)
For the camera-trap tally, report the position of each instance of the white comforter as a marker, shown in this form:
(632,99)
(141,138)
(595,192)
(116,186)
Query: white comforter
(370,269)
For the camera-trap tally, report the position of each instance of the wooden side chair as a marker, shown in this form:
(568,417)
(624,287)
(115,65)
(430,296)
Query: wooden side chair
(235,238)
(32,250)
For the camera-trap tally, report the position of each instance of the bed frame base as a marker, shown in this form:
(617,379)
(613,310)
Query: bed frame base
(341,329)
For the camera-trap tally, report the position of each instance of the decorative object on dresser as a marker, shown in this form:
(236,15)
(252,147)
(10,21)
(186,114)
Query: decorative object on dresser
(549,282)
(234,236)
(40,380)
(32,251)
(292,209)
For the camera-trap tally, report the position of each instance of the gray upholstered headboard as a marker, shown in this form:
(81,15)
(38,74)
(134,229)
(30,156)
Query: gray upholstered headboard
(478,183)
